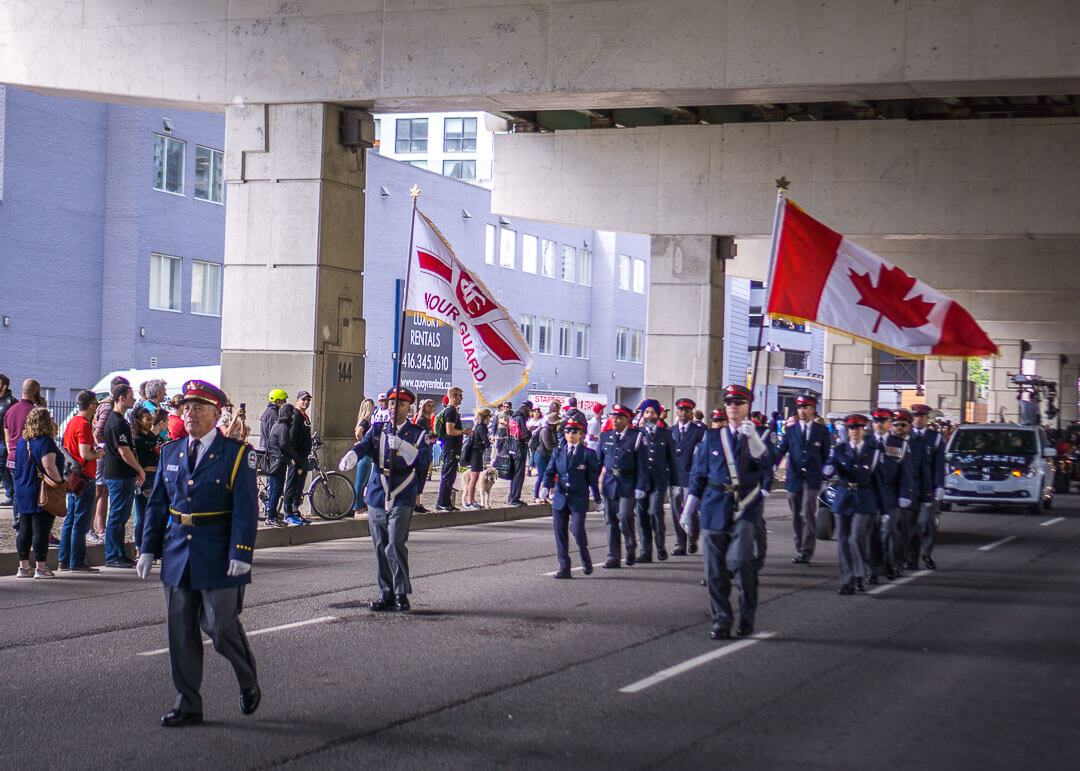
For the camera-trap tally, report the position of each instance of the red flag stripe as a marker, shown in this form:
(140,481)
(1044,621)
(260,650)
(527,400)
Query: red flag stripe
(433,264)
(804,259)
(961,336)
(495,343)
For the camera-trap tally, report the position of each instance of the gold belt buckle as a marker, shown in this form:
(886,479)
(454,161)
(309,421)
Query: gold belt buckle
(187,519)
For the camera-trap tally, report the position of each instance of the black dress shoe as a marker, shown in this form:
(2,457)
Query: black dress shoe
(890,574)
(401,602)
(386,602)
(859,585)
(587,569)
(678,551)
(176,719)
(873,580)
(746,628)
(909,565)
(799,559)
(720,634)
(930,564)
(643,558)
(562,573)
(420,509)
(661,555)
(692,548)
(701,582)
(846,589)
(249,699)
(612,564)
(631,559)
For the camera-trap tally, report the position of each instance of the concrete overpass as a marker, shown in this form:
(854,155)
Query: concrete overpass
(981,208)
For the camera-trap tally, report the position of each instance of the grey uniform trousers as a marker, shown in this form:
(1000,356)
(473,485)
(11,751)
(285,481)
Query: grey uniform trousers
(389,533)
(804,506)
(730,553)
(650,515)
(619,518)
(850,533)
(217,612)
(678,500)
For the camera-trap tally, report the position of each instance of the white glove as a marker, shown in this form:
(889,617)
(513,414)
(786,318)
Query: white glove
(765,493)
(827,470)
(686,519)
(238,568)
(545,493)
(749,430)
(393,441)
(904,503)
(939,493)
(639,494)
(142,567)
(348,461)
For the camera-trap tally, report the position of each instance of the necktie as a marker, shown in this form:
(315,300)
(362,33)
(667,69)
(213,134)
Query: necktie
(806,432)
(193,455)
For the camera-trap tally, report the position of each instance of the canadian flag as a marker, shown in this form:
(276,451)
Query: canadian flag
(822,277)
(440,288)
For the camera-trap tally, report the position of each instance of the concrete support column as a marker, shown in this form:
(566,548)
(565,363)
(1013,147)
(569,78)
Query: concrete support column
(684,341)
(1001,401)
(292,310)
(1067,392)
(946,388)
(852,374)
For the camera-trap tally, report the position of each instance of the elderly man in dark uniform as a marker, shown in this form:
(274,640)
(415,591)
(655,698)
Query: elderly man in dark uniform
(624,458)
(660,445)
(573,472)
(201,520)
(687,433)
(732,467)
(401,456)
(897,481)
(806,443)
(928,460)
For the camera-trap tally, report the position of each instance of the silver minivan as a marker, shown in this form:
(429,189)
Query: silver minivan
(1000,464)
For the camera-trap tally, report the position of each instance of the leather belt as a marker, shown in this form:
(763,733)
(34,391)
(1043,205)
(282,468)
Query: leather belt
(199,517)
(857,486)
(614,472)
(730,488)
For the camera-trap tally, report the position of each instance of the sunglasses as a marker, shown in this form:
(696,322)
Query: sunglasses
(881,420)
(901,423)
(736,401)
(573,430)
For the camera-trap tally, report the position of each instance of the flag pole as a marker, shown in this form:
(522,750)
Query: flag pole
(778,217)
(415,193)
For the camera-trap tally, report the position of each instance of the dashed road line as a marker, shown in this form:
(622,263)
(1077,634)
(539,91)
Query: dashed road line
(882,588)
(572,570)
(998,543)
(1053,521)
(255,632)
(697,661)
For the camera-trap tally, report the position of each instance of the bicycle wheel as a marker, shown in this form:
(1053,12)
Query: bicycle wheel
(331,496)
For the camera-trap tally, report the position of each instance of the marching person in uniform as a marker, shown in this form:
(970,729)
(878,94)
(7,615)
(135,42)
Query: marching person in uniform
(661,473)
(573,472)
(897,481)
(731,472)
(624,458)
(400,454)
(806,443)
(928,457)
(687,433)
(201,521)
(855,462)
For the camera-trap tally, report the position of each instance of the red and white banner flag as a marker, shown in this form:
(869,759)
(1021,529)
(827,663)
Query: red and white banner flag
(822,277)
(440,288)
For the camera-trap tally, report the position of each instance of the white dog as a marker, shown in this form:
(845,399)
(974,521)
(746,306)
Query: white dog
(487,481)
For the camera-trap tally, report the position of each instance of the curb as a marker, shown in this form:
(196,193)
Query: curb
(321,530)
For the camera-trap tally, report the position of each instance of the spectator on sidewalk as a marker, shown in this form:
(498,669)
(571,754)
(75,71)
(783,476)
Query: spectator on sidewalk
(6,400)
(101,504)
(546,438)
(423,416)
(233,422)
(147,448)
(476,454)
(14,420)
(451,457)
(154,391)
(300,439)
(269,418)
(176,428)
(122,474)
(35,450)
(595,425)
(279,456)
(363,467)
(518,439)
(535,420)
(79,442)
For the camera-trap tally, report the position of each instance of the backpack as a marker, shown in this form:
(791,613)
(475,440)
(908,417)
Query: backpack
(439,425)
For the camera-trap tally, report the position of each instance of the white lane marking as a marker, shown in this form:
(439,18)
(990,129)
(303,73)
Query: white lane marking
(697,661)
(882,588)
(1053,521)
(572,570)
(256,632)
(996,544)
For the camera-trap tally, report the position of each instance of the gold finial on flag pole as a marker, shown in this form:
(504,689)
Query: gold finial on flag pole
(414,191)
(782,183)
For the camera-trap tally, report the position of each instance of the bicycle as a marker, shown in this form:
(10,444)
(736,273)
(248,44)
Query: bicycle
(330,493)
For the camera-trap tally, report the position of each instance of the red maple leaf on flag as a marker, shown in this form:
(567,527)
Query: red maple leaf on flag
(887,298)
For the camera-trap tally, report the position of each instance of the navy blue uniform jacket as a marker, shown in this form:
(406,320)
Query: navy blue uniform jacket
(625,462)
(222,488)
(685,443)
(928,459)
(897,472)
(860,478)
(805,459)
(401,485)
(660,445)
(710,478)
(571,474)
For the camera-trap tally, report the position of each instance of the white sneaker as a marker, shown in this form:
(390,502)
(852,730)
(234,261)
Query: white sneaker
(44,573)
(94,538)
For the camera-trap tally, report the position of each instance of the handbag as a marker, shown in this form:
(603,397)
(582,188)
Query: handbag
(73,472)
(52,496)
(504,465)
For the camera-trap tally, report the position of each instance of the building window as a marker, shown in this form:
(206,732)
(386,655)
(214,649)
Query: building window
(796,359)
(489,244)
(528,253)
(545,330)
(637,355)
(418,164)
(624,272)
(209,174)
(622,344)
(639,276)
(205,288)
(169,164)
(506,248)
(567,266)
(164,282)
(566,338)
(378,131)
(528,324)
(581,348)
(584,267)
(459,136)
(459,169)
(547,258)
(411,135)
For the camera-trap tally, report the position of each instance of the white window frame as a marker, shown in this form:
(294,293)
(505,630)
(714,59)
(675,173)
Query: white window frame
(622,273)
(566,339)
(582,341)
(567,260)
(456,141)
(527,324)
(507,248)
(489,244)
(462,164)
(547,258)
(637,346)
(164,142)
(622,344)
(530,247)
(216,174)
(544,341)
(197,282)
(412,122)
(639,276)
(584,267)
(170,260)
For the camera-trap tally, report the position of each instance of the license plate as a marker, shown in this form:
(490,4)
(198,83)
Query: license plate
(984,488)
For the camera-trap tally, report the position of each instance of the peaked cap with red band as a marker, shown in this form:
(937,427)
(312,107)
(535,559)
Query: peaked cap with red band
(403,393)
(920,409)
(622,409)
(719,414)
(882,414)
(201,391)
(855,420)
(572,423)
(902,414)
(806,399)
(688,403)
(736,391)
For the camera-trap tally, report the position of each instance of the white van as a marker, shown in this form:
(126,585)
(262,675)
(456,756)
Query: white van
(1000,464)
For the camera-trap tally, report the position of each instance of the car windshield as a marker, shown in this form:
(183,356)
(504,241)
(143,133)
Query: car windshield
(996,440)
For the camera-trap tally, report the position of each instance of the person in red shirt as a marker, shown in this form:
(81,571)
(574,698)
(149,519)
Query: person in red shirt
(176,421)
(79,442)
